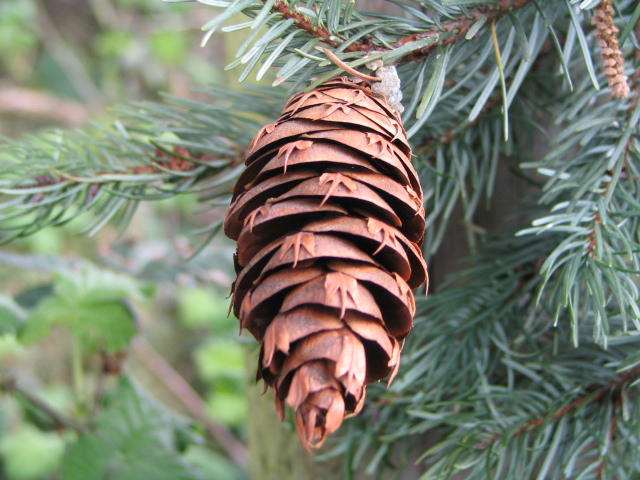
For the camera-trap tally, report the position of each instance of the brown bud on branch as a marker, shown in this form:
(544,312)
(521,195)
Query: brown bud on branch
(613,62)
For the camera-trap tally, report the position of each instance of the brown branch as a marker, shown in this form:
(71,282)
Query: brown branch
(190,399)
(179,161)
(349,69)
(303,23)
(591,397)
(457,29)
(11,385)
(30,103)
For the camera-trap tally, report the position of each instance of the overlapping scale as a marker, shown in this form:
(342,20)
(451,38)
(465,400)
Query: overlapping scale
(329,220)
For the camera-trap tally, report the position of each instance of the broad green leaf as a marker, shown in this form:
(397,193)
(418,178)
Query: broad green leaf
(96,324)
(213,464)
(229,408)
(11,315)
(134,439)
(29,454)
(220,359)
(93,305)
(199,307)
(88,459)
(170,47)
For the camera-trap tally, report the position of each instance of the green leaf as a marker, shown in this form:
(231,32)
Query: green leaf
(114,43)
(199,307)
(30,454)
(229,408)
(134,439)
(221,359)
(11,315)
(170,47)
(503,83)
(561,56)
(33,296)
(96,324)
(452,3)
(492,79)
(400,52)
(213,464)
(93,305)
(88,459)
(259,21)
(275,54)
(433,91)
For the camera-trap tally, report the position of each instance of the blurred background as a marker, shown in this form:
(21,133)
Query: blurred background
(63,63)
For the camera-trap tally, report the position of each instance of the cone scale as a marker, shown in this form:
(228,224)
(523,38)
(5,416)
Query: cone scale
(329,220)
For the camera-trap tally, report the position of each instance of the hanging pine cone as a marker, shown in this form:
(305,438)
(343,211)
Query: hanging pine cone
(328,217)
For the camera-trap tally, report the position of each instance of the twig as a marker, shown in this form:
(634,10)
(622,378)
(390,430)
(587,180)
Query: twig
(303,22)
(592,397)
(178,162)
(190,399)
(10,385)
(349,69)
(457,28)
(21,101)
(111,365)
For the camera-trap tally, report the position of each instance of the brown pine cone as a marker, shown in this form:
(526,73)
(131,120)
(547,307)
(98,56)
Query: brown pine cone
(328,217)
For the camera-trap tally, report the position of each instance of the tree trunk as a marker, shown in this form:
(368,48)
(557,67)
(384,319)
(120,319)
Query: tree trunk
(275,452)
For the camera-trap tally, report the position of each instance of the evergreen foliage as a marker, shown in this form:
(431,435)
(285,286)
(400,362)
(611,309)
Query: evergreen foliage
(525,364)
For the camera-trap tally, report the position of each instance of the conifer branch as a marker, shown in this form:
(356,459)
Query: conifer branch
(459,28)
(103,186)
(153,151)
(428,143)
(596,396)
(304,23)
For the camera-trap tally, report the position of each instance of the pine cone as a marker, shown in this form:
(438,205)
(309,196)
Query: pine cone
(328,217)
